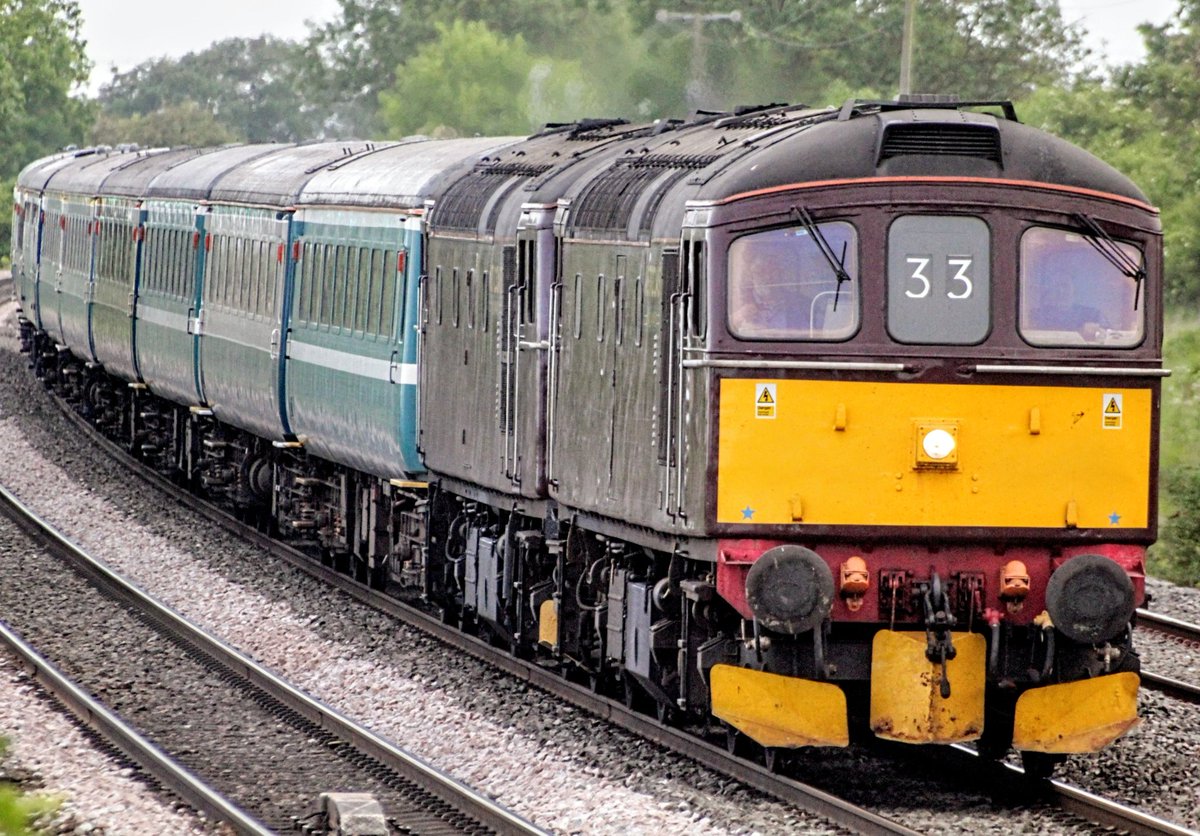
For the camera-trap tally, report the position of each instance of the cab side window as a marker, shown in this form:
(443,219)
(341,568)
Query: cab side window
(788,284)
(1072,295)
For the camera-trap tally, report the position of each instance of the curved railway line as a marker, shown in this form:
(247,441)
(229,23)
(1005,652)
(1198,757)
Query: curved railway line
(1069,800)
(419,798)
(95,716)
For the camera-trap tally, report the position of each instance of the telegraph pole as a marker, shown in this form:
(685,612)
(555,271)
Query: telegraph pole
(697,88)
(906,47)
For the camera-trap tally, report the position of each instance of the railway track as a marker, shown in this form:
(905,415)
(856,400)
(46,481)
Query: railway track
(1167,626)
(1070,800)
(1007,779)
(326,747)
(95,716)
(1179,631)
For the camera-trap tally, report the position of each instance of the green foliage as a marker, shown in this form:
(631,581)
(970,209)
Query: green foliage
(170,126)
(247,86)
(647,68)
(41,61)
(19,813)
(464,82)
(794,50)
(1176,557)
(356,56)
(1169,86)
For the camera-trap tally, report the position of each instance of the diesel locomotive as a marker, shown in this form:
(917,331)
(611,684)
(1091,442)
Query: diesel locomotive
(801,423)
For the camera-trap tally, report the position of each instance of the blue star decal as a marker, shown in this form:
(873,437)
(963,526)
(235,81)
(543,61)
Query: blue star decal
(1114,518)
(747,513)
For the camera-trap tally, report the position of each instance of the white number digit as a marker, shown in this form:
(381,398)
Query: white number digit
(963,264)
(917,274)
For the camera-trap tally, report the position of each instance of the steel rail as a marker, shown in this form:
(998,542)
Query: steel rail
(1078,802)
(1108,813)
(1165,624)
(445,787)
(162,767)
(1173,688)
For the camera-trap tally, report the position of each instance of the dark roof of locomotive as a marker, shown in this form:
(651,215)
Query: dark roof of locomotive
(536,169)
(856,144)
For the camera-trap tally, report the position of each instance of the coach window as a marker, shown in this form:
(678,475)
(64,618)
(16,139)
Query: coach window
(455,299)
(390,274)
(485,301)
(939,280)
(470,304)
(1078,289)
(796,283)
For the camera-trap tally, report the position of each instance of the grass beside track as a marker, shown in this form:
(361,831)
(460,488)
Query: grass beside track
(1177,555)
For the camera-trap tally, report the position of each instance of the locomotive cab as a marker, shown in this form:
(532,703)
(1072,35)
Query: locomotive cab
(932,452)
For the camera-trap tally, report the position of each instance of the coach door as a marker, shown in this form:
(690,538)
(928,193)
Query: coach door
(683,327)
(528,275)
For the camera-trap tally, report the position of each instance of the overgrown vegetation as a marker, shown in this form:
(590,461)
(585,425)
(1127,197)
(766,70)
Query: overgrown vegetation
(386,68)
(20,814)
(1176,557)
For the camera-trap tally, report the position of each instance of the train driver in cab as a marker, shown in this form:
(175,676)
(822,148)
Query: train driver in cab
(783,287)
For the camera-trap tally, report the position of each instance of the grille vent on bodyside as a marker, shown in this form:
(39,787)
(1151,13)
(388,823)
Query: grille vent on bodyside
(463,203)
(608,202)
(945,140)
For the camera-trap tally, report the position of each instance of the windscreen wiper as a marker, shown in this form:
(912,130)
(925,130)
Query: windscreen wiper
(1102,243)
(836,263)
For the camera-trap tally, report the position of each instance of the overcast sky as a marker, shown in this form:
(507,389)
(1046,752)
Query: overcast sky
(125,33)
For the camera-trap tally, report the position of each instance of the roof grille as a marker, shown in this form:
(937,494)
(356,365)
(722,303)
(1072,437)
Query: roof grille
(609,201)
(463,203)
(944,140)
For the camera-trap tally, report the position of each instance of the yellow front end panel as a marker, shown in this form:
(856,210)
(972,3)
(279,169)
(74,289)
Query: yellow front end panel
(1073,717)
(842,453)
(906,700)
(780,711)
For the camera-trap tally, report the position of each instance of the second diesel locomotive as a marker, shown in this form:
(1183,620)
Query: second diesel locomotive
(807,420)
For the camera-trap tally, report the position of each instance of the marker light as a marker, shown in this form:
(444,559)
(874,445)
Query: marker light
(938,444)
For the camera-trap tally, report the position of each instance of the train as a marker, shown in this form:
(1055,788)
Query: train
(803,425)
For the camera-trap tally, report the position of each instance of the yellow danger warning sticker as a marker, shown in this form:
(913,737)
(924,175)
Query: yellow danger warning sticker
(1112,411)
(764,400)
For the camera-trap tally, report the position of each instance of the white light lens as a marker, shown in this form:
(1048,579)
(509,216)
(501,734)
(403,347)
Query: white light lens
(938,444)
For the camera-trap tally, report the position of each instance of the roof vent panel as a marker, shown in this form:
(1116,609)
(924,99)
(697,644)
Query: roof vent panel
(940,139)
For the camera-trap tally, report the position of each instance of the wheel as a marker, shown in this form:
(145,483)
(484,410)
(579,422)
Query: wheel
(1039,766)
(996,739)
(665,713)
(379,575)
(736,743)
(629,694)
